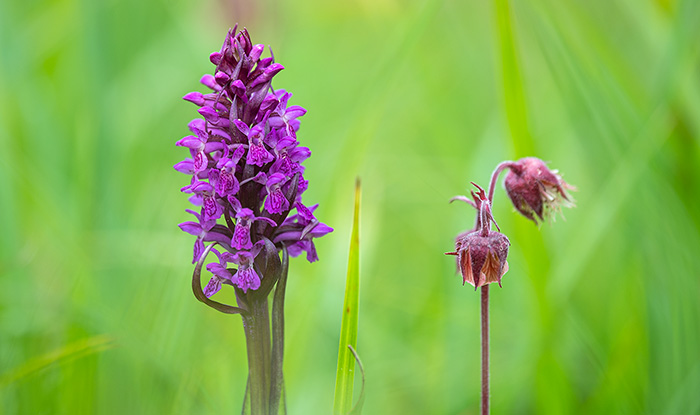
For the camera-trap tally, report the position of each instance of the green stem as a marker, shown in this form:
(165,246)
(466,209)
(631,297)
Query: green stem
(277,381)
(257,333)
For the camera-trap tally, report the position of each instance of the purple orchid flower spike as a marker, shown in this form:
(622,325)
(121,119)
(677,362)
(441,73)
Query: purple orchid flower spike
(246,132)
(246,178)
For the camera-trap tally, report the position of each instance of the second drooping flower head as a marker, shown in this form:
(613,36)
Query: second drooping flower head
(536,191)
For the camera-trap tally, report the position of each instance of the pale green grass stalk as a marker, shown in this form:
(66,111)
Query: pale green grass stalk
(345,375)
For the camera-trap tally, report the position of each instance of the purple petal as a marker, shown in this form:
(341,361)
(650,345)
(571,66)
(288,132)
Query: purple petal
(268,220)
(257,248)
(212,210)
(198,249)
(293,112)
(320,230)
(190,141)
(258,155)
(299,154)
(199,127)
(256,52)
(276,121)
(241,238)
(235,204)
(215,58)
(195,97)
(305,212)
(227,184)
(200,162)
(239,90)
(217,237)
(185,166)
(293,126)
(288,236)
(214,146)
(196,215)
(213,287)
(295,249)
(276,202)
(193,228)
(245,214)
(237,154)
(285,143)
(242,127)
(310,249)
(219,271)
(266,76)
(264,63)
(210,114)
(248,279)
(217,132)
(195,200)
(202,187)
(221,78)
(275,178)
(268,104)
(209,81)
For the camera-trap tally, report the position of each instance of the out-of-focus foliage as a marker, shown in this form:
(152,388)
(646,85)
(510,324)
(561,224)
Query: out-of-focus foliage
(598,314)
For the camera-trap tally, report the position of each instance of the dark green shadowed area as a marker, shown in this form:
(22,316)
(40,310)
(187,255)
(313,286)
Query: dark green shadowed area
(599,312)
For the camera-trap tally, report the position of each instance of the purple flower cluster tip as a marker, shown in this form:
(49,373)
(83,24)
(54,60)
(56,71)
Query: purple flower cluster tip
(246,167)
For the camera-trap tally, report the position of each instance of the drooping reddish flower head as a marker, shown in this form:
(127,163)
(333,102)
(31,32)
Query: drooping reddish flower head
(482,259)
(536,191)
(482,253)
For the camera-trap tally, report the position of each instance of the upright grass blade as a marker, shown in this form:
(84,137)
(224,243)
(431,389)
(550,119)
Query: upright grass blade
(342,402)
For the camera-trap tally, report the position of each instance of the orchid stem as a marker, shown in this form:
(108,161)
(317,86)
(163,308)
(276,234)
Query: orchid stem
(257,333)
(485,349)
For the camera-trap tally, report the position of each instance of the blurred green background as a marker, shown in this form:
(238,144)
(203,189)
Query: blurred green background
(599,313)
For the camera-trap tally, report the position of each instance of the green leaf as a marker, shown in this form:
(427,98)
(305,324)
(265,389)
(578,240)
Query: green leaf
(342,402)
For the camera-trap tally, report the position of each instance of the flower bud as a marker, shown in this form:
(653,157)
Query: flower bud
(535,190)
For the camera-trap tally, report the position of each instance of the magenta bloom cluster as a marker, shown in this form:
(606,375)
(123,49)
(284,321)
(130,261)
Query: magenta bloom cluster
(245,164)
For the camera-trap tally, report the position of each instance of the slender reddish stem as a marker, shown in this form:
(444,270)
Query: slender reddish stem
(494,176)
(485,349)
